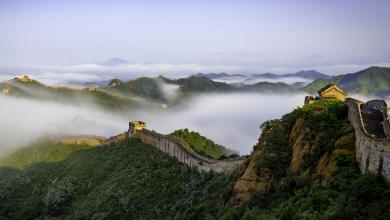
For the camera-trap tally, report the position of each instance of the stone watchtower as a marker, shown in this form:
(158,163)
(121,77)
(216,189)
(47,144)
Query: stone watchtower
(25,79)
(331,91)
(136,125)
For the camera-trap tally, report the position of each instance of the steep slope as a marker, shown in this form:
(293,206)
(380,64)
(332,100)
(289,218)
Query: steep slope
(371,81)
(302,142)
(372,122)
(130,180)
(311,145)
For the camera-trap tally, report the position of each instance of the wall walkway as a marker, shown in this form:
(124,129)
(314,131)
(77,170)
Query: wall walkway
(178,148)
(372,153)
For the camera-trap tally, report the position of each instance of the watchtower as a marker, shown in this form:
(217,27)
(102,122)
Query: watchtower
(25,79)
(136,125)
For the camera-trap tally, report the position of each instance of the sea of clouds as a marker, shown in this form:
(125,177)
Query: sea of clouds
(230,120)
(52,74)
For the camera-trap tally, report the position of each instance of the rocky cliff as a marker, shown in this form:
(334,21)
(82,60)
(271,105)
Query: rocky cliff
(309,153)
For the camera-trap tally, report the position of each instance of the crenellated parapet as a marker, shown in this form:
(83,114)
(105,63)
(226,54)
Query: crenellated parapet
(178,148)
(371,152)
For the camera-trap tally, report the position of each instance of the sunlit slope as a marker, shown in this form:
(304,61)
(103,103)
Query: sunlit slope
(371,81)
(144,87)
(130,180)
(80,97)
(203,145)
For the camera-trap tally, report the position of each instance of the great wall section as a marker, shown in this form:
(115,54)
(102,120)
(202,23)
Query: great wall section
(372,132)
(178,148)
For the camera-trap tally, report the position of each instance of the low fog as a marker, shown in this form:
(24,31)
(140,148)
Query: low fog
(53,74)
(251,81)
(230,120)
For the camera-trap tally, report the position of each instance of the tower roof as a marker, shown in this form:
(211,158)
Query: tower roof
(329,86)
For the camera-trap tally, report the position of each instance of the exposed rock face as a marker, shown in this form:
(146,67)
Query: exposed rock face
(300,141)
(250,182)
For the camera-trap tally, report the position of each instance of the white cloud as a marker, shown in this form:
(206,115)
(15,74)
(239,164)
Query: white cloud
(251,81)
(92,72)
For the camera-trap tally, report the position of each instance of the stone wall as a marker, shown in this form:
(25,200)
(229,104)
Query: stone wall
(381,106)
(90,140)
(372,153)
(178,148)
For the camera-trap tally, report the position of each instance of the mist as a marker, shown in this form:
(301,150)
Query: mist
(53,74)
(230,120)
(251,81)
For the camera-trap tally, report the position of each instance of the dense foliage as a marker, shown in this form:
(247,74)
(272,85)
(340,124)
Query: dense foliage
(347,195)
(203,145)
(130,180)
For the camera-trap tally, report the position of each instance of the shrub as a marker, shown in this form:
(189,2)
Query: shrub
(57,195)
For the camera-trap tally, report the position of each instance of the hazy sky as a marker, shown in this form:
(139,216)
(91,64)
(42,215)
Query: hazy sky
(248,36)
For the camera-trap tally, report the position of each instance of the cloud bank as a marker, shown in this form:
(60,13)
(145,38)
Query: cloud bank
(92,72)
(229,120)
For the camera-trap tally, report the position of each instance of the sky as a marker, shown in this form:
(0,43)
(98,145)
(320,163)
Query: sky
(183,38)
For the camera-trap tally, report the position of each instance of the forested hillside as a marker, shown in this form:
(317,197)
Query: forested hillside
(130,180)
(371,81)
(303,167)
(204,146)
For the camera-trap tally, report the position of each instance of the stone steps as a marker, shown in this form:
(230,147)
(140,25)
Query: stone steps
(372,122)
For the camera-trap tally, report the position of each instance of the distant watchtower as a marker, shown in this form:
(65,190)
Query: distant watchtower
(25,79)
(136,125)
(331,91)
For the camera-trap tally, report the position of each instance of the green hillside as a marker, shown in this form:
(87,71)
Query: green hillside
(143,87)
(130,180)
(201,84)
(202,145)
(82,97)
(371,81)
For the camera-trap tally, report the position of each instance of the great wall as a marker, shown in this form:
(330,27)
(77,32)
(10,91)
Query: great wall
(178,148)
(372,129)
(370,121)
(372,147)
(91,88)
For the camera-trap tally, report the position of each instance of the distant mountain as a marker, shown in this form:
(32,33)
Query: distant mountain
(76,85)
(371,81)
(217,75)
(112,62)
(309,74)
(265,76)
(29,88)
(266,87)
(298,85)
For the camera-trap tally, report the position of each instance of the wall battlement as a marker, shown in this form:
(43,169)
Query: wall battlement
(178,148)
(372,153)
